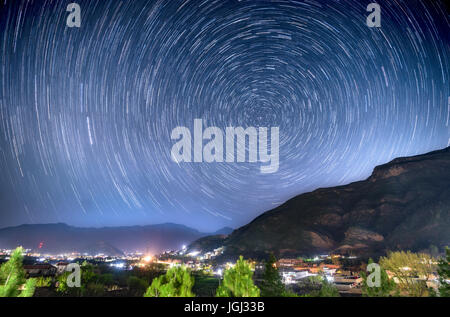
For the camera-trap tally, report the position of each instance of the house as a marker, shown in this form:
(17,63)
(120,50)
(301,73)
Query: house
(347,282)
(291,276)
(289,262)
(37,270)
(61,267)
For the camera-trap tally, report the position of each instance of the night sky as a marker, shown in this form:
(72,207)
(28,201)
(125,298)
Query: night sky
(86,113)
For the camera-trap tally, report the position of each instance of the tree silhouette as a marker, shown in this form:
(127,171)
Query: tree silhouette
(237,281)
(13,282)
(272,286)
(177,282)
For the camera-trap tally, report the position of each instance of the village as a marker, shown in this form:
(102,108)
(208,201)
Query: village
(292,270)
(297,274)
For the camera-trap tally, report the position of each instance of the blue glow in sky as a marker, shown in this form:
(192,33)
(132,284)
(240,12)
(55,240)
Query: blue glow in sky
(86,113)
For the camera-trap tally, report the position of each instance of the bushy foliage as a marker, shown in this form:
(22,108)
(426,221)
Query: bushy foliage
(136,285)
(288,293)
(13,282)
(327,289)
(92,283)
(237,281)
(43,281)
(317,286)
(387,286)
(205,285)
(62,287)
(177,282)
(410,270)
(310,284)
(444,274)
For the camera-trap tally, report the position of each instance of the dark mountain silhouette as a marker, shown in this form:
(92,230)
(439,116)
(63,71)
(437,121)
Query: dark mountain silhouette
(224,230)
(208,243)
(101,247)
(211,242)
(404,204)
(56,238)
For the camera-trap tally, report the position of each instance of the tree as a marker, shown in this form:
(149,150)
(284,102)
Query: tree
(136,285)
(63,288)
(43,281)
(320,287)
(328,290)
(237,281)
(108,280)
(444,274)
(410,271)
(317,286)
(91,283)
(177,282)
(386,288)
(13,282)
(272,286)
(310,285)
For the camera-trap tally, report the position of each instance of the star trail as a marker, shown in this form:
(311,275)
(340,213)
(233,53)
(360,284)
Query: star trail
(86,113)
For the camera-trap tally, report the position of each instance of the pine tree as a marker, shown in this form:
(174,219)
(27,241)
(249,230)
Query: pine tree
(444,274)
(177,282)
(386,288)
(272,286)
(237,281)
(13,282)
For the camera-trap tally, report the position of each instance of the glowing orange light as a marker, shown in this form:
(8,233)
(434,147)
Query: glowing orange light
(148,258)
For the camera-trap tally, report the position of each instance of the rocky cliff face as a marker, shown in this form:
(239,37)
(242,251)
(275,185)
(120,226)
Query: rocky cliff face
(404,204)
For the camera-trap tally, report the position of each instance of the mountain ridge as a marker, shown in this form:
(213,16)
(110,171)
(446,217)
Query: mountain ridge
(61,237)
(403,204)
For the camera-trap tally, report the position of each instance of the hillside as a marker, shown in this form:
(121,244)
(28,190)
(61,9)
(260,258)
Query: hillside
(404,204)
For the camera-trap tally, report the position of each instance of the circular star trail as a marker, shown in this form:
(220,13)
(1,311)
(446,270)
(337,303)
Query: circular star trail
(86,113)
